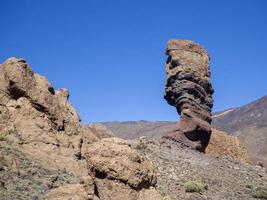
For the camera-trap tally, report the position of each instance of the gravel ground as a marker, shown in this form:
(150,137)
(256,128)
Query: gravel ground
(222,178)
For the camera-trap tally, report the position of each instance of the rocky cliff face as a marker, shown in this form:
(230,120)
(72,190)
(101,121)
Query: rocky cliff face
(43,144)
(189,90)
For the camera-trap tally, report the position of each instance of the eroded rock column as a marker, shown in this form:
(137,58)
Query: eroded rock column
(189,90)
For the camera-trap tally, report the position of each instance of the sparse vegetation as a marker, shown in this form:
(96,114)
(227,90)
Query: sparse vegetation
(260,193)
(2,137)
(194,186)
(167,198)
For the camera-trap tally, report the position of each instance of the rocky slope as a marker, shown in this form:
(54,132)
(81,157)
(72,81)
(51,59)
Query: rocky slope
(220,143)
(186,174)
(249,124)
(45,151)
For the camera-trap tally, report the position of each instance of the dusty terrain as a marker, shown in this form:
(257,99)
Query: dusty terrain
(249,124)
(222,177)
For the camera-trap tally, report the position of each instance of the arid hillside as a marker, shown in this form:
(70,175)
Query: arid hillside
(249,124)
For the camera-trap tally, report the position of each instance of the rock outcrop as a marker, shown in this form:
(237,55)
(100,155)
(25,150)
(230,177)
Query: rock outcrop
(222,144)
(42,140)
(43,145)
(189,90)
(120,172)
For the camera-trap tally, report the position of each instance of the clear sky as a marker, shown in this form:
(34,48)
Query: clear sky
(111,54)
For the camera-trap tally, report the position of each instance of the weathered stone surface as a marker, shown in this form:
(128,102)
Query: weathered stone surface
(39,123)
(222,144)
(120,172)
(33,114)
(70,191)
(43,146)
(189,90)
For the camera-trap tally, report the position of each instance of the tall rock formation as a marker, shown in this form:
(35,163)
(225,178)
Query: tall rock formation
(189,90)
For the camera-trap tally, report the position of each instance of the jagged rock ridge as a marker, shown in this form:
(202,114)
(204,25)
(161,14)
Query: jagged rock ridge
(189,90)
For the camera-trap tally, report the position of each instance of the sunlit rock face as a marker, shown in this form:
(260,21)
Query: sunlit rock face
(189,90)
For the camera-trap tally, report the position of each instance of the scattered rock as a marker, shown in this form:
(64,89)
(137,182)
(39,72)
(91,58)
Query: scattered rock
(222,144)
(178,165)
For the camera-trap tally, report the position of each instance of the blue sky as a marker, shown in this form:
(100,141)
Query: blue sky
(111,54)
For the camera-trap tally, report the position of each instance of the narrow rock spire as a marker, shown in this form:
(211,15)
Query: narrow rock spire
(189,90)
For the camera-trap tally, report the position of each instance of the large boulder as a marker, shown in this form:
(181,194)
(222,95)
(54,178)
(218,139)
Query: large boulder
(189,90)
(120,172)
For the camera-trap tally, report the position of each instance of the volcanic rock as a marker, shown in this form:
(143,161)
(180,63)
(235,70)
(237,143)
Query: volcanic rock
(43,146)
(189,90)
(120,172)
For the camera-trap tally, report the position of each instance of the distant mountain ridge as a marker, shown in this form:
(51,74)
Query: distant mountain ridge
(136,129)
(248,123)
(252,114)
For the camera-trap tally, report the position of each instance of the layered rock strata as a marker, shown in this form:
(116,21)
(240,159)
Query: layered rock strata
(189,90)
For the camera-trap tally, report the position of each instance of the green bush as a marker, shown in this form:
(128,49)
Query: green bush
(2,137)
(260,193)
(194,186)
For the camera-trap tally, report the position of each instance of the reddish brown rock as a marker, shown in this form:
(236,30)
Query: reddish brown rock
(189,90)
